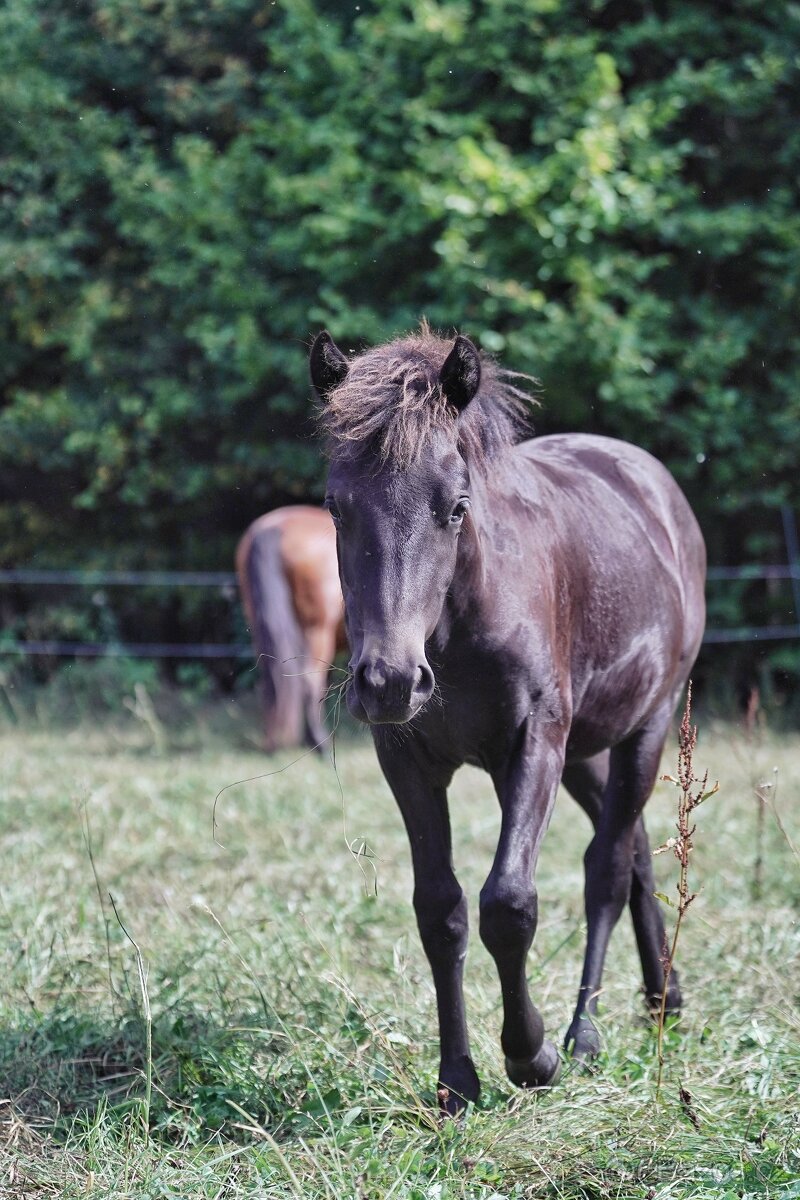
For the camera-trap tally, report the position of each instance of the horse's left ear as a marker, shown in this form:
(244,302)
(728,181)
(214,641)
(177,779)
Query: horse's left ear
(328,365)
(460,377)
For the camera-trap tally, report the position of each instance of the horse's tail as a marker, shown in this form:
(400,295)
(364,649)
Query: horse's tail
(278,640)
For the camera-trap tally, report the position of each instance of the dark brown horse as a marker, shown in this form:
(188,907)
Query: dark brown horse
(531,607)
(289,582)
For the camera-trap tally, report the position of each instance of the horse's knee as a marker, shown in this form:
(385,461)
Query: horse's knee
(608,871)
(442,919)
(509,912)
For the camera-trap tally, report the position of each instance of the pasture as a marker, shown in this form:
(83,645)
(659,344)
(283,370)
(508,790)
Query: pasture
(272,1031)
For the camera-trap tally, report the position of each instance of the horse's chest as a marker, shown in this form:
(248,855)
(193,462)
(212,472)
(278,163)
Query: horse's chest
(487,694)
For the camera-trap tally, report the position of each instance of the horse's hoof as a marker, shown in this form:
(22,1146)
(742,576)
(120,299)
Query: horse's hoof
(672,1007)
(463,1087)
(540,1071)
(451,1106)
(582,1042)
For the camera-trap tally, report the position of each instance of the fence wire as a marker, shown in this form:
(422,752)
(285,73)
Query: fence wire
(226,582)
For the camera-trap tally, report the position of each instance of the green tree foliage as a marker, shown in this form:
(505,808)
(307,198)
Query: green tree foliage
(604,195)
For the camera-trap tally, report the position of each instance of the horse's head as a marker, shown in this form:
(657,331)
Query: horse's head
(398,492)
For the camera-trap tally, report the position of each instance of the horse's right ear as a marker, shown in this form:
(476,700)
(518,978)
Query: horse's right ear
(460,377)
(328,365)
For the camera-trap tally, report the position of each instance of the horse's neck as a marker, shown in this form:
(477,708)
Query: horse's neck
(499,536)
(471,581)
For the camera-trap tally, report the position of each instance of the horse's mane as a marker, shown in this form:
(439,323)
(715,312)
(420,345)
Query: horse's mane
(390,403)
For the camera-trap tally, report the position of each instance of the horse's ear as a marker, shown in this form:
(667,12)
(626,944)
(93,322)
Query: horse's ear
(328,365)
(460,377)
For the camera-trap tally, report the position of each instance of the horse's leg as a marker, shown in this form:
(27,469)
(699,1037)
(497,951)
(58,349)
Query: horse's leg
(586,782)
(509,906)
(616,847)
(321,644)
(651,936)
(441,910)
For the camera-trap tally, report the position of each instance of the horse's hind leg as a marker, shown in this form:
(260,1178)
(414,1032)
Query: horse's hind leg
(648,925)
(321,649)
(586,782)
(617,862)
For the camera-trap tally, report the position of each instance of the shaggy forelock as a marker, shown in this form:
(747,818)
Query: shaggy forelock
(390,403)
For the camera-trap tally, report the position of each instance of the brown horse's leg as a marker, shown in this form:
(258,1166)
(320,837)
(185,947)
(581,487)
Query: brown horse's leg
(277,637)
(586,782)
(321,650)
(509,906)
(613,854)
(440,906)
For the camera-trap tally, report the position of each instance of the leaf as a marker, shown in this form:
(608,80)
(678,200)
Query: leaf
(707,795)
(397,1039)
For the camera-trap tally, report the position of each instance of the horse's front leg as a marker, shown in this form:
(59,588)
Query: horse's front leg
(509,908)
(440,906)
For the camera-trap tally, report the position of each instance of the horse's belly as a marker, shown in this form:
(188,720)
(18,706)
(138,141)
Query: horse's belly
(613,703)
(587,738)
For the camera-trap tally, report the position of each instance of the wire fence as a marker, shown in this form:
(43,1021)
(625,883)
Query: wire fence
(56,649)
(224,581)
(221,579)
(227,583)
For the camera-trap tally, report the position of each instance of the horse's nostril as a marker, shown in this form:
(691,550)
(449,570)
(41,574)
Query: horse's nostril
(384,689)
(370,677)
(360,676)
(424,681)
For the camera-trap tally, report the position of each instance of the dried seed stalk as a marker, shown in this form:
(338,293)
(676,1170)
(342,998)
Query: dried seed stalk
(693,791)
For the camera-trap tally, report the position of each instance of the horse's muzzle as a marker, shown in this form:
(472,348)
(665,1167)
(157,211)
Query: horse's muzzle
(381,694)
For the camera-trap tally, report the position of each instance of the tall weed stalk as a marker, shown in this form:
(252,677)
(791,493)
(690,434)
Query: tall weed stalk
(141,970)
(692,792)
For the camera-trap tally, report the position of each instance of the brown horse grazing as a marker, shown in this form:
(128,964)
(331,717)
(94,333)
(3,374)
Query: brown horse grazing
(289,582)
(532,607)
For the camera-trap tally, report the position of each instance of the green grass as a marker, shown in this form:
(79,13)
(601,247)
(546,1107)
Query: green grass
(293,1038)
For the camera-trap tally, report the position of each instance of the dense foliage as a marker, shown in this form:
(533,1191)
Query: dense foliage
(604,195)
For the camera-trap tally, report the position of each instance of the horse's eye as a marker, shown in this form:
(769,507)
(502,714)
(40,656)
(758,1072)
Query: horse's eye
(333,509)
(458,513)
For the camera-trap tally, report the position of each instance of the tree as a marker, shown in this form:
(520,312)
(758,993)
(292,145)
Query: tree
(190,190)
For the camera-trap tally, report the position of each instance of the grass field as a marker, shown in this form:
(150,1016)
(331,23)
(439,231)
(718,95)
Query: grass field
(279,1038)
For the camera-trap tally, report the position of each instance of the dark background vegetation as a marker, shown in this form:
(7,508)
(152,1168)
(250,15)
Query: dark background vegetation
(602,194)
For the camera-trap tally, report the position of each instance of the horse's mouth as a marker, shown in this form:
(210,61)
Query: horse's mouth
(381,713)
